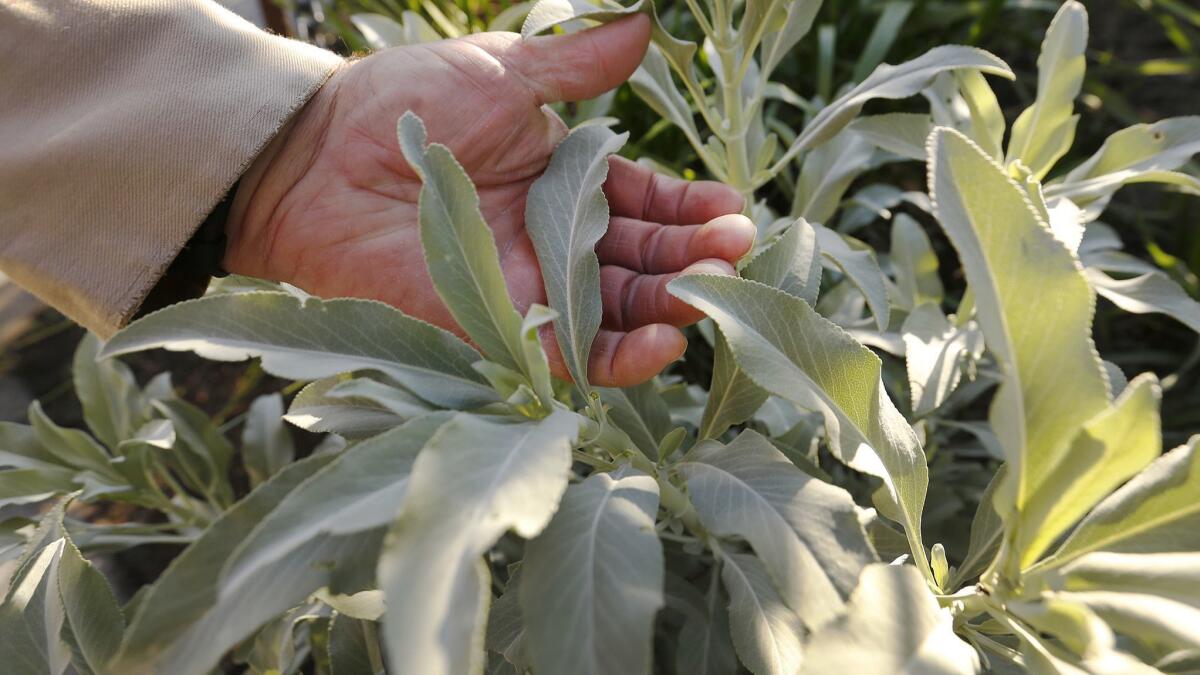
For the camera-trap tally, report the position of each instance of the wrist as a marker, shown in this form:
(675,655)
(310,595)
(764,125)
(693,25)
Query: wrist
(257,210)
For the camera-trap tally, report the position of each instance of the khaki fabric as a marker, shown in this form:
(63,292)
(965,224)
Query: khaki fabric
(122,124)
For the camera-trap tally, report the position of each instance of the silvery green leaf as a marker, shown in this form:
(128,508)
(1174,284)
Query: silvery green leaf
(915,263)
(59,610)
(892,82)
(987,531)
(887,29)
(459,248)
(1152,619)
(70,447)
(641,413)
(1155,512)
(857,261)
(190,617)
(266,443)
(936,354)
(1152,292)
(535,355)
(1109,449)
(827,172)
(1045,130)
(652,82)
(307,339)
(806,532)
(400,402)
(566,215)
(792,352)
(903,134)
(20,449)
(1171,575)
(964,101)
(360,489)
(792,264)
(777,44)
(112,403)
(766,633)
(1053,379)
(506,628)
(366,605)
(892,624)
(475,480)
(379,31)
(201,448)
(348,650)
(732,396)
(592,580)
(24,486)
(1075,627)
(1140,153)
(316,409)
(705,642)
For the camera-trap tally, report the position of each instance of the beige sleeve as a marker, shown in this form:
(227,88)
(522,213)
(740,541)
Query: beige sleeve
(122,124)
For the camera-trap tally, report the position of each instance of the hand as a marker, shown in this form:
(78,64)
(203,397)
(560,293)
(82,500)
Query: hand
(332,206)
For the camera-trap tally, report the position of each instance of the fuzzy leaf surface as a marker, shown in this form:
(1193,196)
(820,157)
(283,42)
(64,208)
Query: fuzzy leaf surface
(310,338)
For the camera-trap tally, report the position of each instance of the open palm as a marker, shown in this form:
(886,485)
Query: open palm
(334,208)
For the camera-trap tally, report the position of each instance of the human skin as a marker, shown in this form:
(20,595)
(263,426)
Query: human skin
(331,206)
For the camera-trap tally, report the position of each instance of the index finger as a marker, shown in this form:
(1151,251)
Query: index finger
(634,191)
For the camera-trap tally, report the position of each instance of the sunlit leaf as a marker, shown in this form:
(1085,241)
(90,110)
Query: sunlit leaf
(792,352)
(892,624)
(767,634)
(1045,131)
(475,479)
(1053,379)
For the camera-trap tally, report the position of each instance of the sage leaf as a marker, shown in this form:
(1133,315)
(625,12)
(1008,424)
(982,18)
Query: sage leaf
(24,486)
(892,82)
(460,249)
(903,134)
(58,610)
(1053,379)
(935,355)
(1137,154)
(806,532)
(1152,292)
(112,403)
(362,488)
(307,339)
(915,263)
(1045,130)
(1109,449)
(796,354)
(596,571)
(1155,512)
(892,624)
(766,633)
(566,214)
(652,82)
(792,264)
(705,641)
(267,445)
(316,408)
(189,618)
(857,261)
(798,22)
(475,480)
(827,172)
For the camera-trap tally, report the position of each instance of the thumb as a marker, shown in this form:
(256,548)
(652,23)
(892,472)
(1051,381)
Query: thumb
(584,64)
